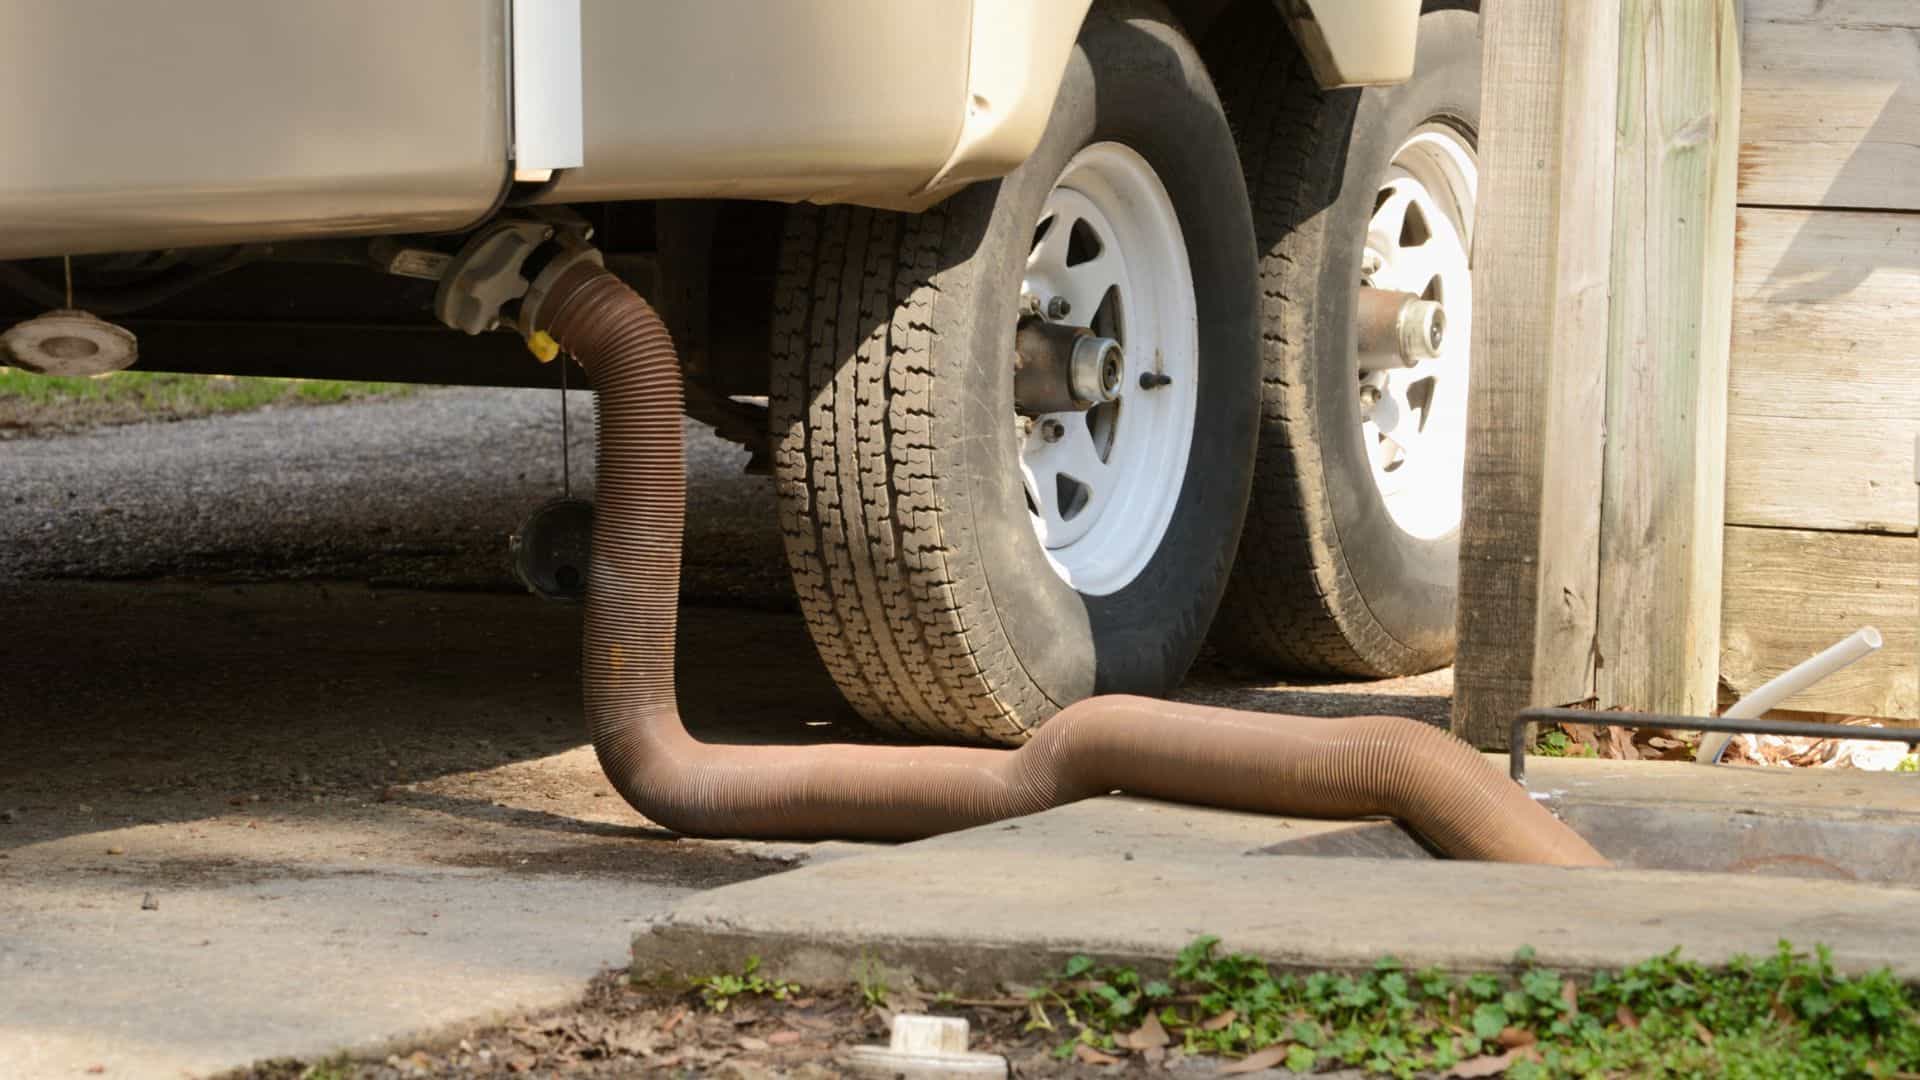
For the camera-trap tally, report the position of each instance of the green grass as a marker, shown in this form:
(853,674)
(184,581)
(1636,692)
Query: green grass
(718,991)
(40,402)
(1787,1015)
(1555,743)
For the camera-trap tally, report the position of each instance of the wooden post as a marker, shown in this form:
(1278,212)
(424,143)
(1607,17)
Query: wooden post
(1590,546)
(1663,501)
(1529,540)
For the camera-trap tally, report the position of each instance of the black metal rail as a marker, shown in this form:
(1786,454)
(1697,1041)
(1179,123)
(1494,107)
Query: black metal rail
(1517,746)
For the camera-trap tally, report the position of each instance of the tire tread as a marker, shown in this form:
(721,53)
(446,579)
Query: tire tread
(1291,603)
(856,462)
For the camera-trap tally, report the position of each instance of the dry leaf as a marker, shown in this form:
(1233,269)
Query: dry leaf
(1254,1062)
(749,1042)
(1513,1038)
(1624,1016)
(1620,743)
(1706,1037)
(1217,1022)
(1484,1065)
(633,1039)
(783,1038)
(1091,1056)
(1149,1035)
(1570,993)
(1579,737)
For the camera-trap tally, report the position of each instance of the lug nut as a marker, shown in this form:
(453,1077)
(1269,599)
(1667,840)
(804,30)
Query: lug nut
(1058,308)
(1154,380)
(1052,430)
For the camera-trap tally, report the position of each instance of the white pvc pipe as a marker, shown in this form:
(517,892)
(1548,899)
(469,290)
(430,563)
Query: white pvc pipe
(1771,693)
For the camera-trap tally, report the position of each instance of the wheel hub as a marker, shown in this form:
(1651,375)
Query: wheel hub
(1413,330)
(1107,369)
(1062,368)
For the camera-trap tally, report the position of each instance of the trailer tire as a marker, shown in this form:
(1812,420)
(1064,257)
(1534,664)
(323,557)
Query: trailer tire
(1330,580)
(903,473)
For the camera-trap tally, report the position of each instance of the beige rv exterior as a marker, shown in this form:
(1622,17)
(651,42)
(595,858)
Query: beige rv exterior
(200,122)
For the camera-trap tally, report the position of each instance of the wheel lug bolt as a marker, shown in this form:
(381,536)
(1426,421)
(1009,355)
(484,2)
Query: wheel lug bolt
(1052,430)
(1154,380)
(1059,308)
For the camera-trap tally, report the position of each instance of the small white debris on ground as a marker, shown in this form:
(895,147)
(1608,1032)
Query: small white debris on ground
(926,1048)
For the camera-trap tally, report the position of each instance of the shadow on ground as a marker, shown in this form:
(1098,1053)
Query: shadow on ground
(130,704)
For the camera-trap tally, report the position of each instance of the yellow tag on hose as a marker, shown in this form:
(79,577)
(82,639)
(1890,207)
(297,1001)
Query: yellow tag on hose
(543,347)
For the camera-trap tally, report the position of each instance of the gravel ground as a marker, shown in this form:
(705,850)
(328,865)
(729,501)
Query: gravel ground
(418,493)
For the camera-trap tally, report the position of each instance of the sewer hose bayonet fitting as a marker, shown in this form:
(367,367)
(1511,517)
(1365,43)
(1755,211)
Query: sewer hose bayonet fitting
(1309,766)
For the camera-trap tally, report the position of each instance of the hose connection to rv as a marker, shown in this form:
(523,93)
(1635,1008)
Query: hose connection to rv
(1328,768)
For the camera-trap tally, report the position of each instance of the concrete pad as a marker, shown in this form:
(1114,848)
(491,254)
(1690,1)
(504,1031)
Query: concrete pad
(1841,825)
(353,958)
(362,816)
(1836,794)
(1136,881)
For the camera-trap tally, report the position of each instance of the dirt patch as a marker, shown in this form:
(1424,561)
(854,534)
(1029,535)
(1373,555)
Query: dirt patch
(687,863)
(619,1030)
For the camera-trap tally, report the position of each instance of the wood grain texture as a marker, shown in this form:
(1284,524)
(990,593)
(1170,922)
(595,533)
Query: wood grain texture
(1791,593)
(1830,114)
(1539,271)
(1663,495)
(1566,611)
(1824,394)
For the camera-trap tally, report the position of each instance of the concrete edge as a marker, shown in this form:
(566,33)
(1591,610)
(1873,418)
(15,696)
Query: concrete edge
(430,1037)
(667,954)
(670,954)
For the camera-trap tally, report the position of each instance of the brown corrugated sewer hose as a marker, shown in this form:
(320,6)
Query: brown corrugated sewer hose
(1308,766)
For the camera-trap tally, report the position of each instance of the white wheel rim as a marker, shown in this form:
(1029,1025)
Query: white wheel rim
(1418,241)
(1102,486)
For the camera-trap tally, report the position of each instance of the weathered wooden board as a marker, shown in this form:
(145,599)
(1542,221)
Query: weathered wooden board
(1567,603)
(1662,498)
(1824,394)
(1791,593)
(1528,562)
(1830,113)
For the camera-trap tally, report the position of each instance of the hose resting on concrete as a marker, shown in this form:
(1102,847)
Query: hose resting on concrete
(1327,768)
